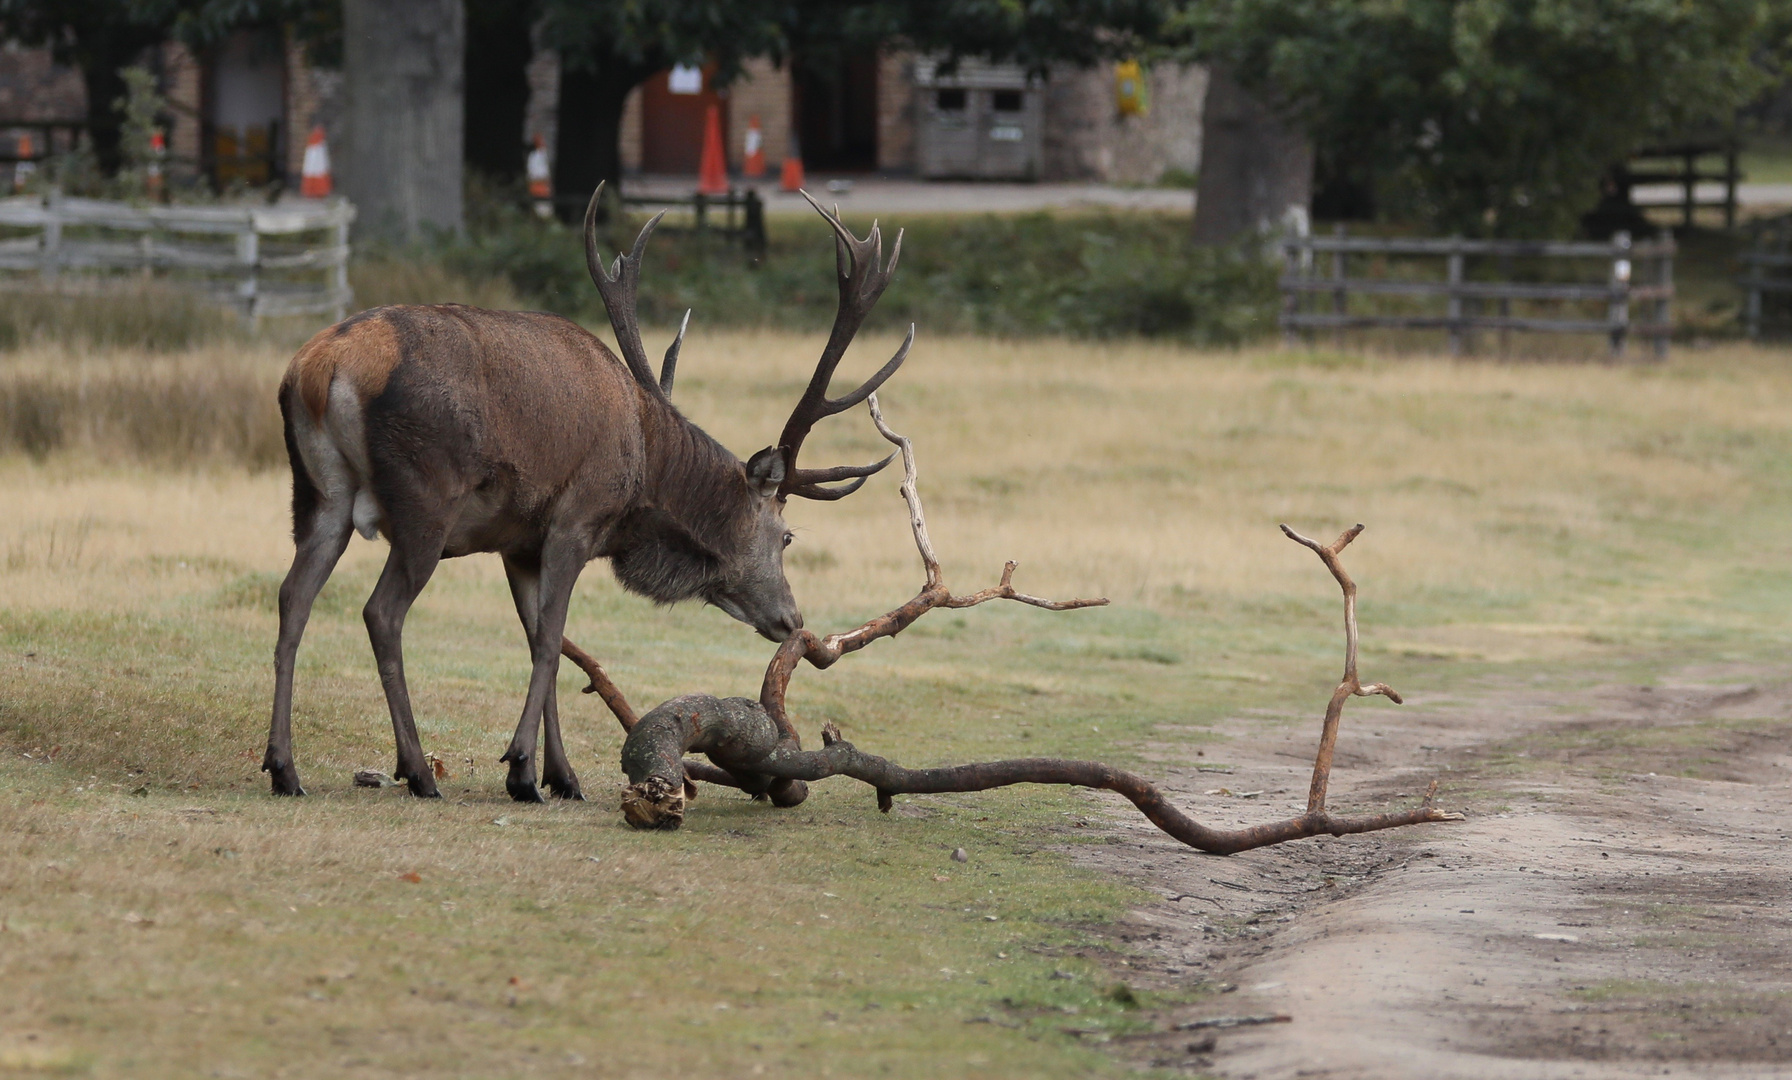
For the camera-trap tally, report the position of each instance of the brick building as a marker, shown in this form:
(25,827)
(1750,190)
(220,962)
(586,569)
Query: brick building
(874,115)
(241,111)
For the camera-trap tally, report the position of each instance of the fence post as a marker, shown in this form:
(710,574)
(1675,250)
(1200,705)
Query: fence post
(755,226)
(1664,304)
(1751,311)
(52,252)
(248,253)
(1290,293)
(1455,296)
(1732,176)
(339,280)
(1688,180)
(1340,300)
(1618,310)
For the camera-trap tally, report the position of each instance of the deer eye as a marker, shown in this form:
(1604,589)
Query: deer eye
(788,537)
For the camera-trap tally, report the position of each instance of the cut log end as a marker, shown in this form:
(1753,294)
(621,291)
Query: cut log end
(654,804)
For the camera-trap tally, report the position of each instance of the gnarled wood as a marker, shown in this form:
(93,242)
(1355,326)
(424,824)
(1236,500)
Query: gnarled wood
(756,746)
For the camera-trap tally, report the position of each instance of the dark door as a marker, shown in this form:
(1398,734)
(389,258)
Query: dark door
(836,109)
(672,124)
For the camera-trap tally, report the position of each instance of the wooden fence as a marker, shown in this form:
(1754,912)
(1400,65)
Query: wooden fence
(286,259)
(1466,292)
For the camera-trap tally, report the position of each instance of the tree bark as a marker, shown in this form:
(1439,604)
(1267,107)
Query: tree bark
(403,68)
(1255,167)
(588,142)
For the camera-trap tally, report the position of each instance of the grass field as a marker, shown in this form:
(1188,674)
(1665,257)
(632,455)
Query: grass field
(161,916)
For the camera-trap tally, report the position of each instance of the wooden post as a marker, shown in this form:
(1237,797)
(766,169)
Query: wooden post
(52,250)
(1340,300)
(1688,180)
(1455,297)
(339,279)
(1505,307)
(1618,309)
(1290,294)
(248,255)
(1751,312)
(1664,304)
(1732,177)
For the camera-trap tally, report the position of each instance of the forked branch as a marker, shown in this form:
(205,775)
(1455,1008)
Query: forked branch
(756,746)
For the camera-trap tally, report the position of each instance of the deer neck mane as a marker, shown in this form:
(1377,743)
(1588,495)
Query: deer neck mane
(692,479)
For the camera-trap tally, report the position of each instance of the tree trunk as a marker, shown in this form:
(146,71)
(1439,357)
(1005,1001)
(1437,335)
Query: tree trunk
(588,146)
(1255,168)
(498,52)
(403,67)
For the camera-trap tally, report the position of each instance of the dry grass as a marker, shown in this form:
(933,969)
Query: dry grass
(213,405)
(1522,518)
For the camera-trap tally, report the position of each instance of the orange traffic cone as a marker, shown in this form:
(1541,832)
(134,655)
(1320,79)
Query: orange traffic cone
(791,178)
(541,179)
(314,174)
(22,172)
(712,170)
(152,170)
(754,165)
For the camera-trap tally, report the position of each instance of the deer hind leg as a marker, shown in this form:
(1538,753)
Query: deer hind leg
(322,540)
(544,620)
(408,568)
(524,575)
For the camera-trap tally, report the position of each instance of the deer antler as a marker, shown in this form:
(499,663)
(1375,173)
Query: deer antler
(863,277)
(618,286)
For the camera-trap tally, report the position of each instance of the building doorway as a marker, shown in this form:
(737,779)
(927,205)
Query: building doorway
(672,119)
(245,110)
(836,109)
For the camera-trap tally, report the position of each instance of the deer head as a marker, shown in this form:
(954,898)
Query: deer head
(722,538)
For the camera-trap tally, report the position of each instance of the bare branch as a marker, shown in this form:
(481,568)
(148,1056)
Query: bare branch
(600,683)
(1349,686)
(758,748)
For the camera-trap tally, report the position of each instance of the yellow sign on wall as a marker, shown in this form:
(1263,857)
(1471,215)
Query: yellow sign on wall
(1129,88)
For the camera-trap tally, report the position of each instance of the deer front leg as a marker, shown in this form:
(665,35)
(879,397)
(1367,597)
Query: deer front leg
(524,575)
(322,541)
(560,564)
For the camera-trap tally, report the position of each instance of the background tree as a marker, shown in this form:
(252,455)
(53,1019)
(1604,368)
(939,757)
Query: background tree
(1489,116)
(402,63)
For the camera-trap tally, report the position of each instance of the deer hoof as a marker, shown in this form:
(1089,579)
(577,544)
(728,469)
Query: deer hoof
(566,789)
(284,780)
(524,791)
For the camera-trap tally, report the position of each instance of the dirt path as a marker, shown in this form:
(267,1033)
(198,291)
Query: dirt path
(1616,905)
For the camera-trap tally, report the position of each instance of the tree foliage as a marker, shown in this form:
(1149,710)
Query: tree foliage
(1491,116)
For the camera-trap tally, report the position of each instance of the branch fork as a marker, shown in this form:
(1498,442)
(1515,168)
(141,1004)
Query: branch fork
(752,745)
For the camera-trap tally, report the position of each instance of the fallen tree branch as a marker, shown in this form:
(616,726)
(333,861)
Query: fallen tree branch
(756,745)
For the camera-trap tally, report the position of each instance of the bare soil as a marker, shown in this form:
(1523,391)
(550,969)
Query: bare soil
(1615,906)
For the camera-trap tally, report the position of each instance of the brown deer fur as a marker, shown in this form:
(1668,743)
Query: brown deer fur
(451,430)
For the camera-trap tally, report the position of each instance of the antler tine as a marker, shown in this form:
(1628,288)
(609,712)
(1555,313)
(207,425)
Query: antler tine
(863,277)
(618,287)
(670,367)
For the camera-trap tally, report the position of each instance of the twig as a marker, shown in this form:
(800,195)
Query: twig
(600,684)
(1349,686)
(823,652)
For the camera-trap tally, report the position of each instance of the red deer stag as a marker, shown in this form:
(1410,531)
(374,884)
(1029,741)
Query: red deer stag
(452,430)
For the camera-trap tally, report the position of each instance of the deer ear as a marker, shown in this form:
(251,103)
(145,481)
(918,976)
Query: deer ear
(765,471)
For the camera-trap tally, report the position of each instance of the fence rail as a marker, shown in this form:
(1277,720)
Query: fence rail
(1463,314)
(255,259)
